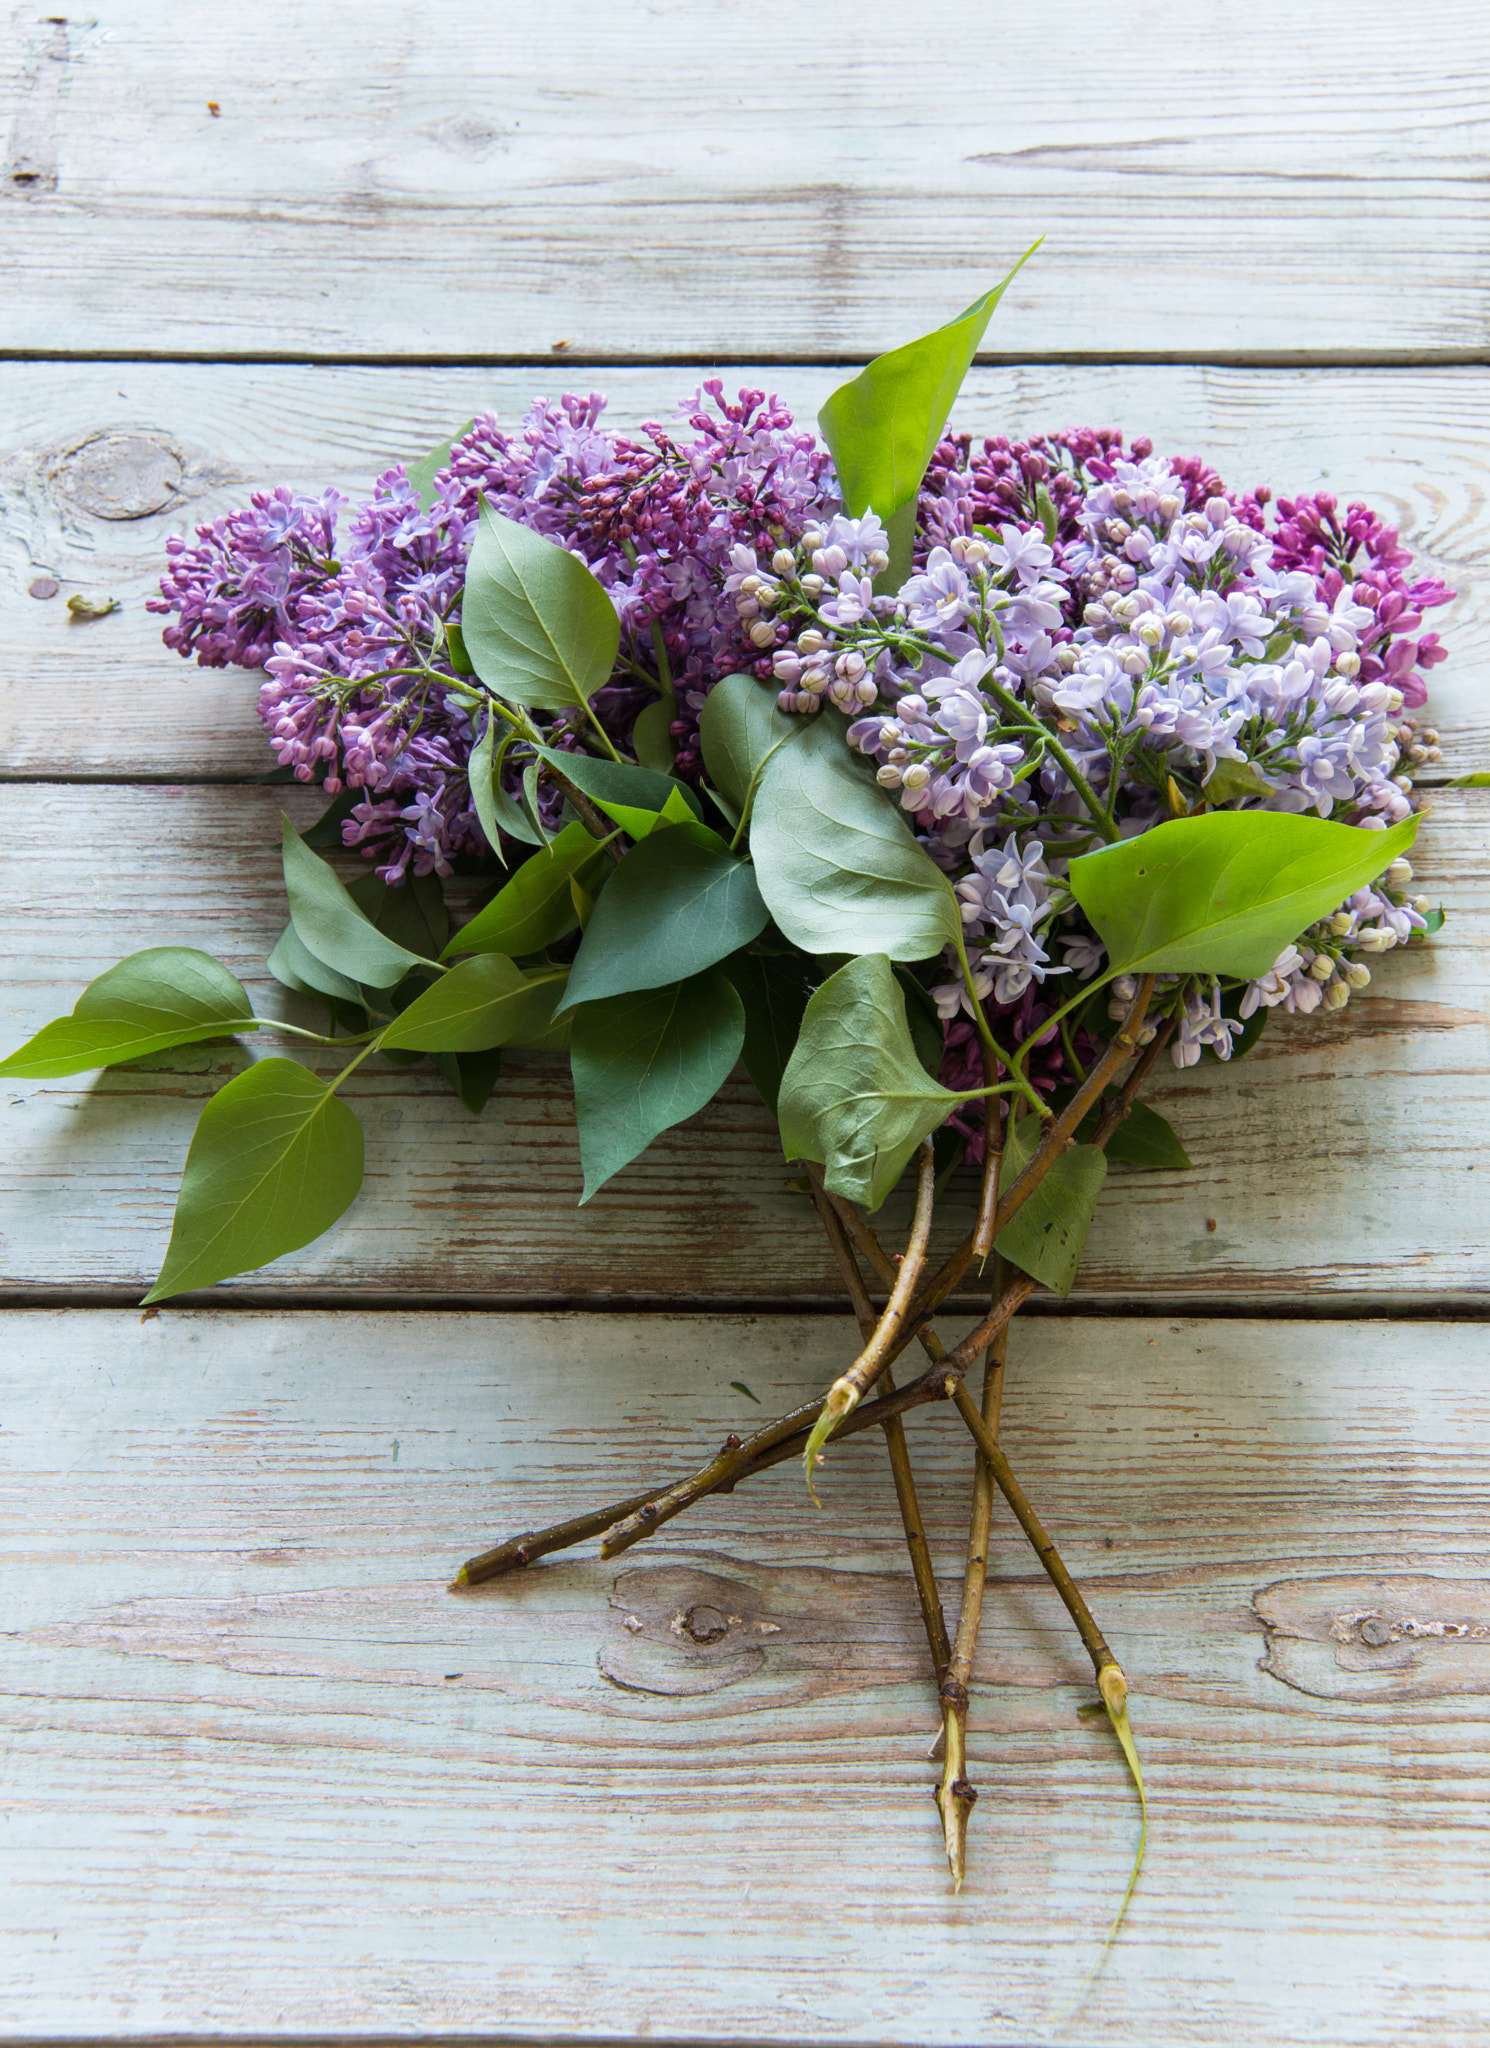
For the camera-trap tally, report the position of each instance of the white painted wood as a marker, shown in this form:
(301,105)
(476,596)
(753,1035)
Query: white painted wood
(687,178)
(83,443)
(1342,1161)
(264,1777)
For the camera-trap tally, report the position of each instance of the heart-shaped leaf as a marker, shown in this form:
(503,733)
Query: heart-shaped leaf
(1227,892)
(164,996)
(538,626)
(835,860)
(855,1096)
(678,903)
(643,1062)
(275,1160)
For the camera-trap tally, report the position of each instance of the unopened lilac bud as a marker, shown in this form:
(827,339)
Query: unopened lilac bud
(812,539)
(1134,662)
(1169,506)
(1321,967)
(888,777)
(751,586)
(916,776)
(784,562)
(850,666)
(1177,622)
(814,586)
(1122,501)
(1184,652)
(1150,632)
(1125,608)
(1066,657)
(829,562)
(1341,923)
(1217,511)
(786,668)
(1358,974)
(747,607)
(1395,702)
(876,561)
(1429,736)
(811,642)
(1399,874)
(1097,615)
(1403,782)
(1420,904)
(1336,996)
(1348,664)
(1376,938)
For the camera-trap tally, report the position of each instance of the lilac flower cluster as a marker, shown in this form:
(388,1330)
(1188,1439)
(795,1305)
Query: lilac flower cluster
(1094,639)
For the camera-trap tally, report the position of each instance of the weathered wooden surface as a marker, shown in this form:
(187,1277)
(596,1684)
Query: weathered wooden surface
(1333,1162)
(99,462)
(686,179)
(264,1776)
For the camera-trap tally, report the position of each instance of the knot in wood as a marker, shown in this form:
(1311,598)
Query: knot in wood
(120,476)
(703,1623)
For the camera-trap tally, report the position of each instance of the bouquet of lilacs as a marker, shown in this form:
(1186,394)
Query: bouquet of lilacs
(949,783)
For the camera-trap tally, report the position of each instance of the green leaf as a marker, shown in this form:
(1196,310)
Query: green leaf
(1232,782)
(928,1033)
(1227,892)
(1480,779)
(740,729)
(883,427)
(652,736)
(774,988)
(679,902)
(496,811)
(330,924)
(326,831)
(855,1096)
(535,907)
(1434,921)
(486,1001)
(1047,1235)
(413,915)
(455,647)
(421,474)
(643,1062)
(164,996)
(835,860)
(1143,1139)
(276,1158)
(538,626)
(294,965)
(473,1075)
(636,798)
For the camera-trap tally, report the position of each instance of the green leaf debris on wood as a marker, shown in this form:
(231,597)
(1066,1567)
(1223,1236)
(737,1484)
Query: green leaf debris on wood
(1047,1235)
(855,1096)
(837,864)
(164,996)
(275,1160)
(643,1062)
(1227,892)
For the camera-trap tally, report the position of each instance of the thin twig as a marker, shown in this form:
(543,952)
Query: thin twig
(849,1389)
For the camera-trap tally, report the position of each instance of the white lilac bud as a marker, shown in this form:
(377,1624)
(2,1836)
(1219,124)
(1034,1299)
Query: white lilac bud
(916,776)
(1066,657)
(1169,507)
(876,561)
(1126,609)
(811,642)
(762,633)
(1341,923)
(1185,651)
(786,668)
(850,666)
(1336,996)
(1122,500)
(747,607)
(1430,736)
(1420,904)
(751,586)
(1376,938)
(1321,967)
(1097,615)
(829,562)
(1358,974)
(814,585)
(1217,512)
(784,562)
(1395,701)
(1347,664)
(1417,753)
(1134,662)
(866,690)
(1151,632)
(1403,782)
(812,539)
(888,777)
(1178,623)
(1399,874)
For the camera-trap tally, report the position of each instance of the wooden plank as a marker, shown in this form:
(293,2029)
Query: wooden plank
(1338,1163)
(643,179)
(102,461)
(263,1776)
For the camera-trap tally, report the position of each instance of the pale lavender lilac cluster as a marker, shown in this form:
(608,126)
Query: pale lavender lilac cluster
(1119,635)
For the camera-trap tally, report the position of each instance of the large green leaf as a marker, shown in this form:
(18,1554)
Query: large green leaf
(644,1062)
(536,906)
(882,428)
(330,924)
(294,964)
(679,902)
(1047,1235)
(165,996)
(412,915)
(774,987)
(1225,893)
(276,1158)
(855,1096)
(835,860)
(636,798)
(486,1001)
(740,729)
(538,626)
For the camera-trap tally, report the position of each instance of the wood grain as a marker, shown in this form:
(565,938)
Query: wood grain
(263,1776)
(101,462)
(1341,1162)
(681,178)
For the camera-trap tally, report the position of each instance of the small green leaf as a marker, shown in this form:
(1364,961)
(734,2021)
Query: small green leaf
(538,626)
(679,902)
(855,1096)
(652,739)
(455,647)
(1050,519)
(330,924)
(837,864)
(422,474)
(774,988)
(473,1075)
(1480,779)
(413,915)
(80,607)
(883,427)
(276,1158)
(1047,1235)
(484,1002)
(535,907)
(295,966)
(164,996)
(643,1062)
(740,728)
(1233,782)
(741,1388)
(1434,921)
(1143,1139)
(1227,892)
(636,798)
